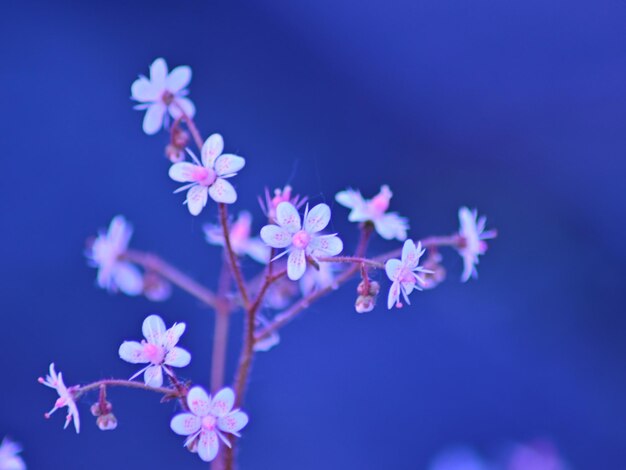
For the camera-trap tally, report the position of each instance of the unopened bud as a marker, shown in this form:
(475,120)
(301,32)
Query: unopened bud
(365,303)
(180,138)
(107,422)
(174,154)
(101,408)
(368,288)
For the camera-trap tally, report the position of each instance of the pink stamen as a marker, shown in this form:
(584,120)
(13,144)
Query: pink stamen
(209,422)
(301,239)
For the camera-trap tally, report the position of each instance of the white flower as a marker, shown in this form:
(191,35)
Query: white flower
(301,242)
(402,273)
(162,93)
(9,460)
(388,225)
(55,381)
(158,350)
(317,279)
(105,253)
(209,177)
(240,239)
(280,195)
(209,418)
(472,245)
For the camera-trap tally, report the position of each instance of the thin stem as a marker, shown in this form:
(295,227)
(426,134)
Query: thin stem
(351,260)
(232,256)
(191,125)
(220,332)
(169,392)
(429,242)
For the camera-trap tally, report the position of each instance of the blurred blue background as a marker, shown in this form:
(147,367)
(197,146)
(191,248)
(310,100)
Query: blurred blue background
(517,108)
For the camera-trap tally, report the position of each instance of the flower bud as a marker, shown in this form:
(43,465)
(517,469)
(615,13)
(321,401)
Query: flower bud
(107,422)
(365,303)
(174,154)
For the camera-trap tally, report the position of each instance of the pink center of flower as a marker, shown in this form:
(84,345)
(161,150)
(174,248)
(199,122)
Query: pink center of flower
(155,354)
(301,239)
(167,97)
(204,176)
(209,422)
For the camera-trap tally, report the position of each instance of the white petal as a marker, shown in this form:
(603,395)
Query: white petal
(177,357)
(132,351)
(173,334)
(153,120)
(350,198)
(143,90)
(184,172)
(257,250)
(119,233)
(213,234)
(267,343)
(393,268)
(153,329)
(185,424)
(178,79)
(227,164)
(287,217)
(198,401)
(207,445)
(468,268)
(296,264)
(317,219)
(128,278)
(410,254)
(233,422)
(223,402)
(275,236)
(153,376)
(212,148)
(182,103)
(325,245)
(223,191)
(391,226)
(394,294)
(158,72)
(196,199)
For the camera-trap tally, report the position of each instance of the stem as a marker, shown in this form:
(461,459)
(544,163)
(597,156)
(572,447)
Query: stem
(429,242)
(195,133)
(169,392)
(220,332)
(234,264)
(351,259)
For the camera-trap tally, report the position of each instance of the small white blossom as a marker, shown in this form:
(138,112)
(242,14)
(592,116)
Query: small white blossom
(402,273)
(208,178)
(317,279)
(9,460)
(105,254)
(158,350)
(240,239)
(473,234)
(164,92)
(301,241)
(207,420)
(388,225)
(55,381)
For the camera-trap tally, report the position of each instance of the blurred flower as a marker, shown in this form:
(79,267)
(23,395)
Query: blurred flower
(388,225)
(402,273)
(9,460)
(300,241)
(105,253)
(208,419)
(156,288)
(55,381)
(472,243)
(163,92)
(280,195)
(458,458)
(158,350)
(536,455)
(240,239)
(280,293)
(318,278)
(436,273)
(208,178)
(269,341)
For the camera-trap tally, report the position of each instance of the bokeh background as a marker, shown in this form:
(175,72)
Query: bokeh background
(517,108)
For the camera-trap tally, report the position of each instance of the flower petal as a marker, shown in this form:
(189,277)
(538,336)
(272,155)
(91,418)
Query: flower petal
(233,422)
(119,233)
(185,424)
(198,401)
(132,351)
(223,402)
(185,104)
(158,73)
(184,172)
(350,198)
(393,268)
(128,278)
(411,254)
(153,376)
(178,78)
(223,191)
(296,264)
(173,334)
(196,199)
(287,217)
(212,148)
(177,357)
(153,329)
(143,90)
(207,445)
(229,164)
(153,120)
(275,236)
(390,226)
(325,245)
(317,219)
(394,294)
(257,250)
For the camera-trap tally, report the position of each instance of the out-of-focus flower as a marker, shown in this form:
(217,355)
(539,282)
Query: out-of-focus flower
(402,273)
(388,225)
(472,244)
(316,279)
(301,242)
(163,92)
(159,350)
(240,239)
(156,288)
(207,420)
(536,455)
(269,341)
(208,178)
(280,195)
(55,381)
(436,273)
(9,460)
(458,458)
(280,294)
(105,253)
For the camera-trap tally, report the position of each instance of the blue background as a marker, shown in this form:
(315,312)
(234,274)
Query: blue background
(517,108)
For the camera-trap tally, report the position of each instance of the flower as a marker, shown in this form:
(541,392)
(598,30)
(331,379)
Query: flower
(209,177)
(209,418)
(317,279)
(162,93)
(240,239)
(388,225)
(105,254)
(458,458)
(159,350)
(55,381)
(280,195)
(301,242)
(472,232)
(9,460)
(402,273)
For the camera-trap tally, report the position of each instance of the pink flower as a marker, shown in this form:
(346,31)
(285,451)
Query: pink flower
(239,238)
(158,350)
(207,420)
(301,241)
(162,93)
(55,381)
(105,254)
(402,273)
(388,225)
(208,178)
(472,245)
(280,195)
(9,460)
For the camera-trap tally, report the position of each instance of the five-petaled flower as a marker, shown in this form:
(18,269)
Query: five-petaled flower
(164,92)
(301,241)
(207,420)
(240,239)
(158,350)
(388,225)
(402,273)
(208,178)
(472,244)
(105,254)
(66,398)
(9,460)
